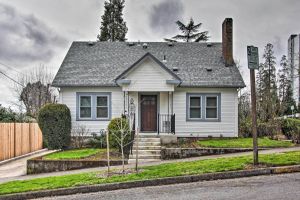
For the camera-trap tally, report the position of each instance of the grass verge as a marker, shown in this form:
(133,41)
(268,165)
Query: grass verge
(151,172)
(243,143)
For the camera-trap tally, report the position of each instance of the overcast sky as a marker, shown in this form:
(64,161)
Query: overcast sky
(39,32)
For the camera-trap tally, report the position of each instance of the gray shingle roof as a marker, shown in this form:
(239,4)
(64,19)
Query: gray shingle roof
(101,63)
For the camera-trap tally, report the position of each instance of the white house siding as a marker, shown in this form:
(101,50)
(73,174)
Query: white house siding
(148,76)
(228,126)
(68,97)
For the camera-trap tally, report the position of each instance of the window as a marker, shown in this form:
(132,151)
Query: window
(93,106)
(211,107)
(85,107)
(203,107)
(195,107)
(102,106)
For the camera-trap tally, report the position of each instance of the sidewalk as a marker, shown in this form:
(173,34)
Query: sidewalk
(17,167)
(278,150)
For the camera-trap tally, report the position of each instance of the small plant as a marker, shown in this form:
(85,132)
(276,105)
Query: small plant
(79,135)
(55,123)
(97,141)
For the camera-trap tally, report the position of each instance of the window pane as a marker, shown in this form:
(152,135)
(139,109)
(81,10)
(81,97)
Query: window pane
(85,112)
(102,101)
(85,101)
(195,101)
(211,101)
(211,113)
(195,113)
(102,112)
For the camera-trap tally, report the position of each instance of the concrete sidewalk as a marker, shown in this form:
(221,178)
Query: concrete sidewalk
(17,167)
(277,150)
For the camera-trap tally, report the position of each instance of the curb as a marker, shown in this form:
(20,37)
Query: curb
(22,156)
(153,182)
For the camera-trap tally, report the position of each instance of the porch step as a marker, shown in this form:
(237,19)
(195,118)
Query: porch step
(149,149)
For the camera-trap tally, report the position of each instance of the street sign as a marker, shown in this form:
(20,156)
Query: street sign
(253,60)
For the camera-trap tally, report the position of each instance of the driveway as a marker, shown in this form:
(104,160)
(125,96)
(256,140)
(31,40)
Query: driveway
(275,187)
(17,167)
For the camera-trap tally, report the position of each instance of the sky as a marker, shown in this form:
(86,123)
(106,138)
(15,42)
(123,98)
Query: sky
(35,33)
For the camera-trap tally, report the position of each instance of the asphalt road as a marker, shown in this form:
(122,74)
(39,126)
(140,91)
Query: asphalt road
(281,187)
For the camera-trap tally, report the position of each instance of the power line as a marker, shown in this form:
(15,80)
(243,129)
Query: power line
(11,78)
(12,68)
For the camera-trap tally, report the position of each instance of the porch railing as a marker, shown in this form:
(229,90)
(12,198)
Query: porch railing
(166,123)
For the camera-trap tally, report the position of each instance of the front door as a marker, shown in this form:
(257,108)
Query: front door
(149,113)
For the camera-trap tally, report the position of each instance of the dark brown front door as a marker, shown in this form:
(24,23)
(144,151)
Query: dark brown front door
(148,112)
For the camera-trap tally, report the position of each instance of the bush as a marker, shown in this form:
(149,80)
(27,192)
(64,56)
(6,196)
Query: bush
(55,123)
(97,141)
(79,135)
(291,129)
(115,129)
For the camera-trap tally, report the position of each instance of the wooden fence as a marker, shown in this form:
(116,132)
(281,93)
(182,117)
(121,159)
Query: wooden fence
(17,139)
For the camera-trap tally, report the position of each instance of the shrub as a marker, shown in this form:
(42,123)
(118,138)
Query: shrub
(97,141)
(116,127)
(55,123)
(79,135)
(291,129)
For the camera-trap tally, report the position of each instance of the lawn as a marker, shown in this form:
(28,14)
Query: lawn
(243,143)
(86,153)
(151,172)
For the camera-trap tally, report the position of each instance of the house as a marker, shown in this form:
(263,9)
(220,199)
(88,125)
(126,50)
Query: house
(188,89)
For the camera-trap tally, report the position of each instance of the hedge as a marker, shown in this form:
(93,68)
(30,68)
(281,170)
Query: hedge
(55,123)
(291,129)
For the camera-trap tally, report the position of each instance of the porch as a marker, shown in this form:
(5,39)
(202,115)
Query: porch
(153,111)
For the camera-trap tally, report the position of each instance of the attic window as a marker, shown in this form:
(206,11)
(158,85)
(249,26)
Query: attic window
(208,69)
(175,69)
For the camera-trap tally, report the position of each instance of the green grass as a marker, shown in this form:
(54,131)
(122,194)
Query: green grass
(73,154)
(151,172)
(243,143)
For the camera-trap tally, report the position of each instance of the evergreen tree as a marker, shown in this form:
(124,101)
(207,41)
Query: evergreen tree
(113,27)
(269,101)
(190,32)
(285,87)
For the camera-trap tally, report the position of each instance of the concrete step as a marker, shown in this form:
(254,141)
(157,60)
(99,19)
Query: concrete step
(131,161)
(147,152)
(148,139)
(147,147)
(147,143)
(145,156)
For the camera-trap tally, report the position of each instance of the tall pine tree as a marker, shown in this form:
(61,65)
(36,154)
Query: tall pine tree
(113,27)
(269,99)
(285,87)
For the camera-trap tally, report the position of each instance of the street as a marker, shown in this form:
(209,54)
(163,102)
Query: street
(279,187)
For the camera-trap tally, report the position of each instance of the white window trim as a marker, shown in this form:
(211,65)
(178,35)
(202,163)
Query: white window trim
(108,105)
(211,107)
(82,95)
(189,107)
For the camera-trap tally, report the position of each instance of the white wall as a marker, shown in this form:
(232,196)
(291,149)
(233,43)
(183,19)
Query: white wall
(148,76)
(228,126)
(68,97)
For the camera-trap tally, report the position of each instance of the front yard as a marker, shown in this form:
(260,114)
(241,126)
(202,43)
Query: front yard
(233,143)
(243,143)
(84,154)
(152,172)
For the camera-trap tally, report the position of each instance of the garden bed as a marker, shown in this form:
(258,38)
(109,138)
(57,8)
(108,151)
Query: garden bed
(73,159)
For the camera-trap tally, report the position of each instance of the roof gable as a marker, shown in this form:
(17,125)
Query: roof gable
(143,58)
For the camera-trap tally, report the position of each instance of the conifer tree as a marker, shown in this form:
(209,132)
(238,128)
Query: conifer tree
(269,101)
(113,27)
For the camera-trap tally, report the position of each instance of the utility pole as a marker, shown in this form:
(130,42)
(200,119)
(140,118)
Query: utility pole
(253,63)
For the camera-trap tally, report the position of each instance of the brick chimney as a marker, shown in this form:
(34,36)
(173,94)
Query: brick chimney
(227,41)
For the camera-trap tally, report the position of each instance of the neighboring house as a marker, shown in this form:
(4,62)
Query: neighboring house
(190,89)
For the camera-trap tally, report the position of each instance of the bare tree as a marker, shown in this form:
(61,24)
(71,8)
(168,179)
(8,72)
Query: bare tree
(34,89)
